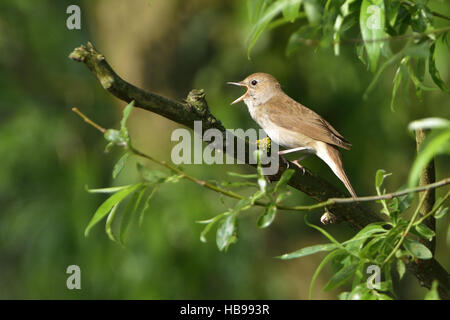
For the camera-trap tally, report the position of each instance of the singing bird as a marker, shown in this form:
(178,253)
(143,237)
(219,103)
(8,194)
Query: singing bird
(292,125)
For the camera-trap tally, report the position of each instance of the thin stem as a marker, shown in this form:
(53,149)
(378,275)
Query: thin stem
(392,195)
(440,15)
(399,243)
(383,202)
(89,121)
(436,207)
(202,183)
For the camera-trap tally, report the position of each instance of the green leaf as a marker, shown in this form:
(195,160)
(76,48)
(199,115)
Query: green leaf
(322,264)
(424,231)
(341,277)
(380,176)
(404,202)
(304,35)
(392,9)
(268,216)
(429,123)
(245,176)
(337,34)
(385,286)
(435,144)
(308,251)
(434,73)
(210,223)
(420,50)
(382,296)
(417,249)
(146,206)
(226,233)
(265,18)
(397,80)
(123,122)
(257,195)
(109,221)
(291,10)
(254,9)
(113,136)
(120,165)
(284,179)
(401,268)
(313,11)
(360,292)
(433,293)
(372,20)
(242,205)
(441,212)
(378,74)
(355,243)
(106,206)
(283,195)
(127,217)
(108,190)
(151,176)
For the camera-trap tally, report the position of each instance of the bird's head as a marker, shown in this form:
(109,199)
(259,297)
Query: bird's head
(260,88)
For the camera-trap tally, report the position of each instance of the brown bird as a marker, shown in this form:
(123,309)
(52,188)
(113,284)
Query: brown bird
(292,125)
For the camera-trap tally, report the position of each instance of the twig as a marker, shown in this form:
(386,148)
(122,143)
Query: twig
(392,195)
(436,207)
(440,15)
(399,243)
(89,121)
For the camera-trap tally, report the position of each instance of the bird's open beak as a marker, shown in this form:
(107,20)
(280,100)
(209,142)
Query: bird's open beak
(241,97)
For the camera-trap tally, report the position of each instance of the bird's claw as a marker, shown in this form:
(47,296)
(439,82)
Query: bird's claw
(299,166)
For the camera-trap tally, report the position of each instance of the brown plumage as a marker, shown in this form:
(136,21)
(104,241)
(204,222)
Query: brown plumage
(296,117)
(291,124)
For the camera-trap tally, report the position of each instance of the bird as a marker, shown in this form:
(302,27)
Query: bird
(292,125)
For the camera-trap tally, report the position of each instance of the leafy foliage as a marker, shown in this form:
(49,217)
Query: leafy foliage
(382,245)
(274,194)
(387,245)
(379,246)
(436,143)
(325,23)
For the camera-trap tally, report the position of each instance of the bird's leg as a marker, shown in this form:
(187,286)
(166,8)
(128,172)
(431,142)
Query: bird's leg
(297,163)
(293,150)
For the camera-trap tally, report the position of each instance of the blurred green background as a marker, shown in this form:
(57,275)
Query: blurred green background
(48,155)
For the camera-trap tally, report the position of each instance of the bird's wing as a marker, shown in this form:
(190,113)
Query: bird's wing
(296,117)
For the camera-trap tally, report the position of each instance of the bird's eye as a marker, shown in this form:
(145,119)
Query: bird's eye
(254,82)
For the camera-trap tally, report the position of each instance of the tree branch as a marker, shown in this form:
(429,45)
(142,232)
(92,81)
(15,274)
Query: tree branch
(196,108)
(428,176)
(231,194)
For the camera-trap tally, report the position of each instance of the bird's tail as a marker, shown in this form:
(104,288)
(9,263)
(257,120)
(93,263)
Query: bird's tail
(330,154)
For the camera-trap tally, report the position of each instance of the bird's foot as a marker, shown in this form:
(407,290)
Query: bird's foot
(299,166)
(286,163)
